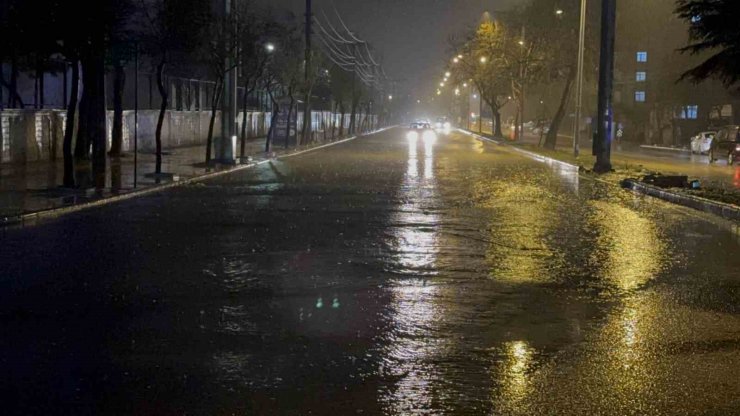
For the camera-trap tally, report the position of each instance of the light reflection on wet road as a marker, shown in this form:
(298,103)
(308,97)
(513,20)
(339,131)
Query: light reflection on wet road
(390,275)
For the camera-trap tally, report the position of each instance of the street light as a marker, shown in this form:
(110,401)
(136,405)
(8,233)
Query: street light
(579,81)
(455,60)
(447,74)
(559,12)
(483,59)
(270,48)
(442,84)
(390,98)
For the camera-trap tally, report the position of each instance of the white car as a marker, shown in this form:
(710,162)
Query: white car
(702,142)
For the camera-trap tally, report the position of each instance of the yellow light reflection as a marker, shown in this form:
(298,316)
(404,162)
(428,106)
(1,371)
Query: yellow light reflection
(629,246)
(515,376)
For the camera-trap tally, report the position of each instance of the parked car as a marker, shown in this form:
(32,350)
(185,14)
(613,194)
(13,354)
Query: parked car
(702,142)
(726,145)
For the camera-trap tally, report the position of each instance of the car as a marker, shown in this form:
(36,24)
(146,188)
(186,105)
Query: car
(421,125)
(726,145)
(702,142)
(443,123)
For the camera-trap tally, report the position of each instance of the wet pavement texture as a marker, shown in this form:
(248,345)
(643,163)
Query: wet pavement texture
(388,275)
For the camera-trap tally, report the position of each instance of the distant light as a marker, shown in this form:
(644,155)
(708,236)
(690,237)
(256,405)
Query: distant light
(439,92)
(542,102)
(390,97)
(455,60)
(465,85)
(270,47)
(521,42)
(483,59)
(475,95)
(441,84)
(418,101)
(559,12)
(447,74)
(457,91)
(459,56)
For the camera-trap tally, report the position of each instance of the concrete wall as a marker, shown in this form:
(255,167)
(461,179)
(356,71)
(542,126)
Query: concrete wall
(37,135)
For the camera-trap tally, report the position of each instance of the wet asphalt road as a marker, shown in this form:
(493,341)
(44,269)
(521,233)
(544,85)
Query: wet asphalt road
(380,276)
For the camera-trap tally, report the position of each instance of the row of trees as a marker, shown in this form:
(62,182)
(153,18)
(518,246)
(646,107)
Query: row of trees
(535,47)
(190,38)
(531,45)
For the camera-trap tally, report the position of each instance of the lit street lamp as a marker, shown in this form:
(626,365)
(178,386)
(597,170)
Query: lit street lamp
(270,48)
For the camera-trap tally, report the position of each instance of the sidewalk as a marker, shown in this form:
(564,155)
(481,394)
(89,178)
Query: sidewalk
(632,157)
(35,187)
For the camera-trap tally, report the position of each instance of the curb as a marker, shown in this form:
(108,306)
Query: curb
(726,211)
(723,210)
(664,149)
(536,156)
(21,219)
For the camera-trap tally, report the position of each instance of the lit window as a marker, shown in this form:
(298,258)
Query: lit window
(641,76)
(641,56)
(690,112)
(640,96)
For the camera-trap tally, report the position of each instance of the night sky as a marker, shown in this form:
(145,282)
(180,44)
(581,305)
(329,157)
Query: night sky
(411,36)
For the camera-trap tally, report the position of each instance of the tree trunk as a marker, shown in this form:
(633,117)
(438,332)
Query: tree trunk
(290,121)
(119,83)
(40,82)
(341,121)
(14,99)
(273,117)
(552,134)
(497,132)
(334,120)
(214,109)
(162,111)
(96,115)
(13,95)
(82,145)
(69,128)
(353,116)
(306,129)
(243,136)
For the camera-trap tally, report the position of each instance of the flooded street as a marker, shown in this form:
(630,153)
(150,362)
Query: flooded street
(394,274)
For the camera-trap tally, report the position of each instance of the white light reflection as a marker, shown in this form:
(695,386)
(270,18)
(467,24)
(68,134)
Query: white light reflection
(414,310)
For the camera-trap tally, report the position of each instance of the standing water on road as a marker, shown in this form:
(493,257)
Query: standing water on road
(394,274)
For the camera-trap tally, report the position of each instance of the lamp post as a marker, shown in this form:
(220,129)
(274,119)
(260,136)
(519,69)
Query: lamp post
(602,143)
(579,80)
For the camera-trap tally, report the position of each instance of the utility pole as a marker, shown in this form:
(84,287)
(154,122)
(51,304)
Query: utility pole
(226,143)
(306,130)
(579,81)
(602,142)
